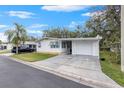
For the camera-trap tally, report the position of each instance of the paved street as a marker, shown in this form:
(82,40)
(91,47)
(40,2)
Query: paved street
(17,75)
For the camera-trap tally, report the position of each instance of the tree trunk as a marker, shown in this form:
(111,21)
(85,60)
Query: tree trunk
(122,38)
(17,49)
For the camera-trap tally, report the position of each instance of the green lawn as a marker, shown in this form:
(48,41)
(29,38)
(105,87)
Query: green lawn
(4,51)
(111,68)
(32,57)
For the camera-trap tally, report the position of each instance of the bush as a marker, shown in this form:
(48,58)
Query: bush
(110,57)
(119,59)
(102,59)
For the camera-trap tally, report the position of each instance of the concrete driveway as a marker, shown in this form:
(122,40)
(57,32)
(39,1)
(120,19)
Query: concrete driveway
(18,75)
(83,68)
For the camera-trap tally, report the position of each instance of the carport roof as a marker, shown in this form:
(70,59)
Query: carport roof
(67,39)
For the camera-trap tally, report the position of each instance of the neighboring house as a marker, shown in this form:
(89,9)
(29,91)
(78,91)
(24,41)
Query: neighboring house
(5,46)
(8,46)
(30,44)
(76,46)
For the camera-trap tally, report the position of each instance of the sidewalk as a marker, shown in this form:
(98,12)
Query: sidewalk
(82,70)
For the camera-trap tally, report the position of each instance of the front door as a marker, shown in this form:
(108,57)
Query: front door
(69,47)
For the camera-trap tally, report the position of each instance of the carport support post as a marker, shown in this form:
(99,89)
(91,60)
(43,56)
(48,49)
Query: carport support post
(122,38)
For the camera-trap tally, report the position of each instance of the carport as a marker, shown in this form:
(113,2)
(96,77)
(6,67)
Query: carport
(81,46)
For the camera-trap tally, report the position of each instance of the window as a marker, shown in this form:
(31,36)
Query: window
(30,46)
(39,44)
(34,46)
(5,47)
(54,44)
(63,44)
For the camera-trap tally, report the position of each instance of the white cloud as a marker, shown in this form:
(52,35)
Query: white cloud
(73,24)
(3,26)
(63,8)
(97,13)
(38,25)
(34,31)
(3,37)
(21,14)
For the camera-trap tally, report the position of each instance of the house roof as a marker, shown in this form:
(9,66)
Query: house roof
(30,42)
(66,39)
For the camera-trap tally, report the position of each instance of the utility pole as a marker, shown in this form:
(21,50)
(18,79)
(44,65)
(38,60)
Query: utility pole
(122,38)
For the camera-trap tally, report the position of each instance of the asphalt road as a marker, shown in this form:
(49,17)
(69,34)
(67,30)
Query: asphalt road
(17,75)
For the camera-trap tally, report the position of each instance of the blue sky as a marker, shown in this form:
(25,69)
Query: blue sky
(37,18)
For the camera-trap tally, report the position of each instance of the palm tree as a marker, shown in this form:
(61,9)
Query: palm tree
(17,35)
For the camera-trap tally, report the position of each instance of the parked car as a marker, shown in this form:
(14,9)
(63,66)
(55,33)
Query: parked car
(23,49)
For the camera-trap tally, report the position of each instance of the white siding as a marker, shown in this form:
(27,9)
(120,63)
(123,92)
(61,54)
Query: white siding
(45,47)
(9,46)
(79,47)
(96,48)
(85,48)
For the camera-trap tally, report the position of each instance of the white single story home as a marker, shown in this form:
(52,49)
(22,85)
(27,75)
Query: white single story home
(9,46)
(75,46)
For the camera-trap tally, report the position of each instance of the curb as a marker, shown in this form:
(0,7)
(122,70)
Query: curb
(70,76)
